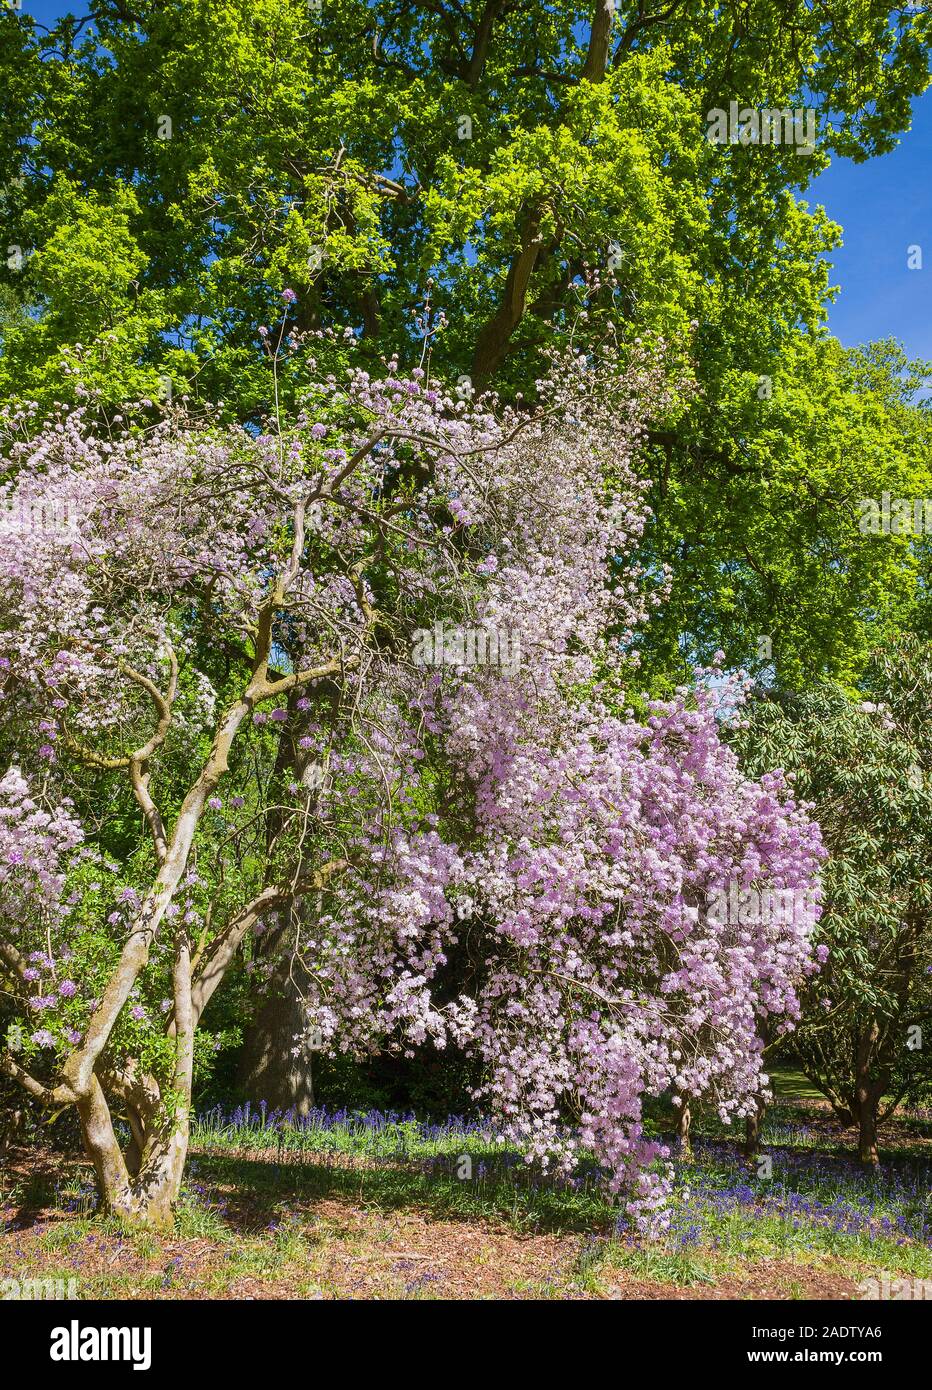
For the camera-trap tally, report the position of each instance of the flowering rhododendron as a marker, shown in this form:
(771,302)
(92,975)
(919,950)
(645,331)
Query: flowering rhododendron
(221,637)
(598,848)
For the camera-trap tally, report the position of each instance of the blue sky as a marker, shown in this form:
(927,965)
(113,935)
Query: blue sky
(884,206)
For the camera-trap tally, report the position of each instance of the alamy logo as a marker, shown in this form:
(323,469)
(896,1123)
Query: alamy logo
(466,646)
(765,126)
(890,1287)
(744,907)
(31,1290)
(895,516)
(77,1343)
(57,516)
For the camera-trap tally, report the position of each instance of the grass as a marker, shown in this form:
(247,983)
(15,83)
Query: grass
(455,1169)
(807,1207)
(792,1085)
(388,1206)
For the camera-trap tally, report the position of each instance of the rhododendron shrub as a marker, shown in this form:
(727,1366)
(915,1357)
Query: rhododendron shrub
(220,715)
(867,766)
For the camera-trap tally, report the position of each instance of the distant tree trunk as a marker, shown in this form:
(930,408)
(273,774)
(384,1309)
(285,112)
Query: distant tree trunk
(268,1071)
(868,1091)
(753,1122)
(876,1049)
(683,1122)
(867,1134)
(752,1128)
(10,1123)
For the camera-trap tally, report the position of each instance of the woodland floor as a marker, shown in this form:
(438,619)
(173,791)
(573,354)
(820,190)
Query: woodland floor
(377,1208)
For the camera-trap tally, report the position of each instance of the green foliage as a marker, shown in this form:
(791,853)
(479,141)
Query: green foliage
(183,163)
(169,169)
(92,328)
(768,557)
(867,767)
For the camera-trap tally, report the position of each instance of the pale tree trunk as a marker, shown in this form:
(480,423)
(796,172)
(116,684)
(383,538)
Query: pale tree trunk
(143,1188)
(148,1198)
(683,1122)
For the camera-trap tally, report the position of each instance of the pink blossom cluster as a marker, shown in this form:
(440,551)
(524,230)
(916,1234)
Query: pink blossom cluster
(37,840)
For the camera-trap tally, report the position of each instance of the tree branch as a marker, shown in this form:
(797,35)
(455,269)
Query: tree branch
(223,948)
(480,49)
(48,1095)
(600,39)
(639,25)
(13,960)
(492,343)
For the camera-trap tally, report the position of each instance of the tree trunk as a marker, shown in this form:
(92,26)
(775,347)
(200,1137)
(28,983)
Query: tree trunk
(267,1069)
(142,1188)
(10,1124)
(683,1122)
(868,1090)
(867,1132)
(146,1200)
(492,342)
(752,1126)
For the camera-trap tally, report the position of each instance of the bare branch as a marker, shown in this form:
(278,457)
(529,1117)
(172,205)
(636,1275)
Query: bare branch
(13,960)
(48,1095)
(224,947)
(138,767)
